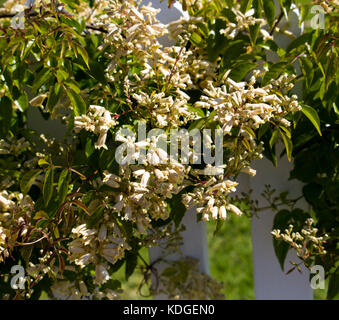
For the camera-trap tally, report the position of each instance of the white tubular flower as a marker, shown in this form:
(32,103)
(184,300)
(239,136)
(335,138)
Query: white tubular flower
(119,206)
(111,180)
(98,120)
(110,252)
(249,171)
(145,178)
(101,274)
(5,204)
(38,100)
(84,260)
(222,213)
(102,233)
(83,288)
(101,141)
(215,213)
(266,35)
(234,209)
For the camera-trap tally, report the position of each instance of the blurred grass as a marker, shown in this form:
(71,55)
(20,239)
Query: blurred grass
(230,256)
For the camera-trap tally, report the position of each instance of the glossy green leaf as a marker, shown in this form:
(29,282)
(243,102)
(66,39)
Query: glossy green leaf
(82,51)
(239,72)
(63,182)
(131,263)
(47,189)
(269,10)
(41,79)
(288,144)
(79,105)
(274,138)
(312,115)
(28,179)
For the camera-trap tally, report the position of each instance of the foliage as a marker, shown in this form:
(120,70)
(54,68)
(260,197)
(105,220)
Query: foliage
(74,210)
(315,142)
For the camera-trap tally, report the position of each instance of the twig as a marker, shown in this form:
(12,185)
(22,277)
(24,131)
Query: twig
(32,14)
(277,22)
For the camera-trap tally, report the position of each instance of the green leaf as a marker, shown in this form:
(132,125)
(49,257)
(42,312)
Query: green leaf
(177,208)
(62,75)
(333,285)
(269,10)
(72,85)
(197,124)
(63,184)
(28,179)
(79,105)
(47,190)
(53,97)
(26,252)
(263,129)
(299,41)
(196,39)
(22,102)
(274,138)
(82,51)
(97,70)
(286,130)
(80,205)
(288,144)
(254,32)
(41,78)
(41,215)
(89,148)
(307,69)
(312,115)
(5,115)
(43,162)
(281,222)
(281,249)
(273,72)
(111,284)
(239,72)
(131,263)
(200,112)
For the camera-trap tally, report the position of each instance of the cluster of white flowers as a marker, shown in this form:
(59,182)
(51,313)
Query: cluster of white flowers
(98,120)
(304,241)
(13,146)
(165,110)
(135,32)
(243,22)
(244,105)
(211,199)
(77,290)
(142,191)
(106,244)
(15,215)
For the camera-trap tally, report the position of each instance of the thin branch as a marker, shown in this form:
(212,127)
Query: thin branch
(277,22)
(7,14)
